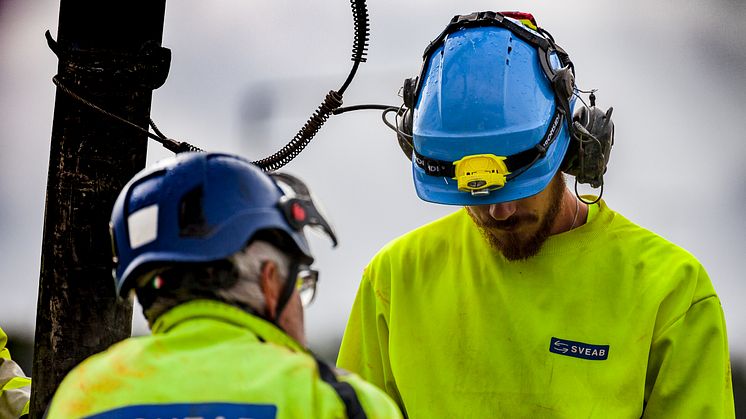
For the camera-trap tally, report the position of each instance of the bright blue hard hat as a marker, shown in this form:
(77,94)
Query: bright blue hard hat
(484,91)
(203,207)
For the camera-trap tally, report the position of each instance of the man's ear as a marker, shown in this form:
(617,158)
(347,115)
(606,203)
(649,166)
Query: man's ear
(271,288)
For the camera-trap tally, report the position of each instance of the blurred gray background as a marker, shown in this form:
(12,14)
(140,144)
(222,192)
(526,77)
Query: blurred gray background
(246,75)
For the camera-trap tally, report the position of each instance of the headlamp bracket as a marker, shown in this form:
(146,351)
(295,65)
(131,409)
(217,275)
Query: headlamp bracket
(481,173)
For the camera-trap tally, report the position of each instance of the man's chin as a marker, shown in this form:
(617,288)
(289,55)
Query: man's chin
(523,237)
(515,246)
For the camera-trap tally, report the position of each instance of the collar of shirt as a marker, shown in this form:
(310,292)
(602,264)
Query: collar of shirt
(226,313)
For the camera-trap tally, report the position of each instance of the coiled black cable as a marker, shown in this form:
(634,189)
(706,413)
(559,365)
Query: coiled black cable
(361,41)
(291,150)
(333,99)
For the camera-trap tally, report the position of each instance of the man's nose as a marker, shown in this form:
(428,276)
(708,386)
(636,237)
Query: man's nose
(502,211)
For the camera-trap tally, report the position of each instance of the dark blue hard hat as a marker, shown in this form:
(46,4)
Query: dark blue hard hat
(204,207)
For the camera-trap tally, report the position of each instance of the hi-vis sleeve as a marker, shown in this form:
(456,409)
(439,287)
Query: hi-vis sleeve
(15,387)
(689,366)
(364,348)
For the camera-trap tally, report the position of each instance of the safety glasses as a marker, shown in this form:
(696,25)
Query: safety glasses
(305,284)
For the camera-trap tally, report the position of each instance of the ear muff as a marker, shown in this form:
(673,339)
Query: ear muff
(590,146)
(405,117)
(404,135)
(563,84)
(409,92)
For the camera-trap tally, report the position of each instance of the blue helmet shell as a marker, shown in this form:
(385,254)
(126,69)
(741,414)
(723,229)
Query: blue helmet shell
(484,92)
(233,200)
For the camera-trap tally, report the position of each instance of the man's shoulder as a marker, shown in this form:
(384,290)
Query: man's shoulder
(93,374)
(668,266)
(438,230)
(646,242)
(124,352)
(423,244)
(375,402)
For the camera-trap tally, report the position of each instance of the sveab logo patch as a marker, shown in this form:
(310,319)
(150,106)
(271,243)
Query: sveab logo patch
(579,349)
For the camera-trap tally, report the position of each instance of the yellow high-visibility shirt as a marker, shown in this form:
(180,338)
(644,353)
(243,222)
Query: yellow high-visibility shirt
(15,387)
(207,359)
(608,320)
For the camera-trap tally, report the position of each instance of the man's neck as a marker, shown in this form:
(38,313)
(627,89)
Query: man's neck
(573,213)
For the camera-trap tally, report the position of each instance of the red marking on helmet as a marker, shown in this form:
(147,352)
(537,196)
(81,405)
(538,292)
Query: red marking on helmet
(299,214)
(520,16)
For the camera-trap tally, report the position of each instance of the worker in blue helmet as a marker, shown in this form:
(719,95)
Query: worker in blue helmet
(215,251)
(529,301)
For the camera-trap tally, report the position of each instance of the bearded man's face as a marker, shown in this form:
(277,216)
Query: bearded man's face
(518,229)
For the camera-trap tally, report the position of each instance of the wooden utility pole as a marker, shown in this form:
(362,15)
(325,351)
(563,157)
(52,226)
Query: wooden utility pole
(109,54)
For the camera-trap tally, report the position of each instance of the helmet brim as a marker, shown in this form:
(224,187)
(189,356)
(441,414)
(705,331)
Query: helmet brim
(441,190)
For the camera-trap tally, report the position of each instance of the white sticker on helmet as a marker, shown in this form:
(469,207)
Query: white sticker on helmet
(143,226)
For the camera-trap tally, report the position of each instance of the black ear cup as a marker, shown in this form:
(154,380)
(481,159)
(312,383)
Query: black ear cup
(563,84)
(405,116)
(590,145)
(404,135)
(409,92)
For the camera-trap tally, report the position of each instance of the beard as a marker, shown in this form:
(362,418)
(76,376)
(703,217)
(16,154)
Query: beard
(514,245)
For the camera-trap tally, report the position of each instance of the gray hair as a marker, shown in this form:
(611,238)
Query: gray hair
(249,262)
(244,266)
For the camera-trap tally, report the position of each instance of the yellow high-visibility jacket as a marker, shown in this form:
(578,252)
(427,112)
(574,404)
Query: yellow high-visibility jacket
(15,387)
(608,320)
(212,360)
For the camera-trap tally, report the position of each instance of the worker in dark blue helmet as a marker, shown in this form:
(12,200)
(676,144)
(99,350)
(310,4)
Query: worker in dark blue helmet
(215,251)
(528,301)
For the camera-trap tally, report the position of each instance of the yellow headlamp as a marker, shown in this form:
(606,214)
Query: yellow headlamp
(481,173)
